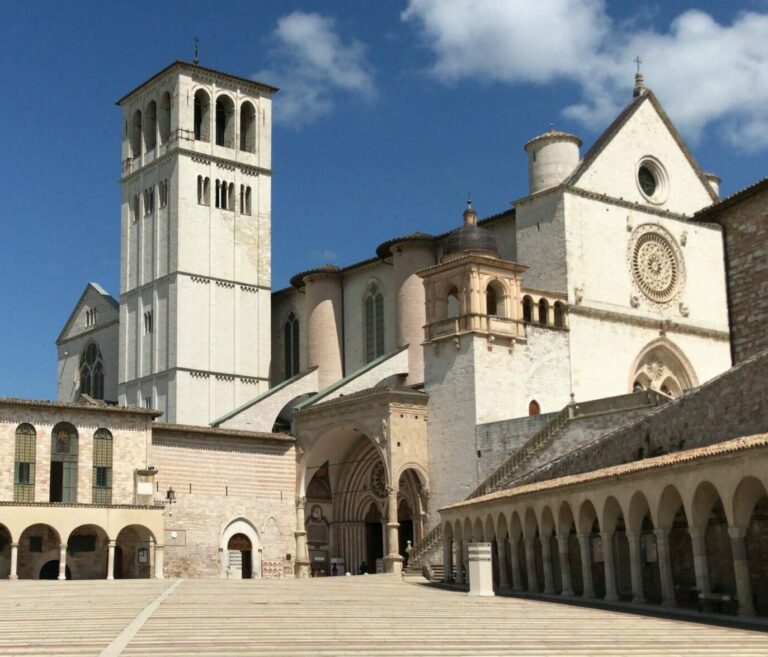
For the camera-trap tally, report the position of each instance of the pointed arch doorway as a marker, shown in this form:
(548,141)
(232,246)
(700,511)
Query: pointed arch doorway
(240,549)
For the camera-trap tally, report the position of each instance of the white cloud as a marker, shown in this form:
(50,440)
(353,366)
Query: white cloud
(312,66)
(325,255)
(707,74)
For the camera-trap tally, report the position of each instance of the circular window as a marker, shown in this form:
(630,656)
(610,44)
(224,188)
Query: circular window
(379,481)
(652,180)
(656,264)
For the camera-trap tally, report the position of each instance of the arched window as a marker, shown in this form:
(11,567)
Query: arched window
(136,128)
(534,408)
(207,191)
(453,308)
(231,197)
(527,309)
(225,110)
(202,122)
(24,467)
(63,480)
(660,368)
(92,372)
(491,302)
(102,467)
(559,314)
(247,127)
(374,323)
(543,311)
(291,346)
(150,126)
(164,118)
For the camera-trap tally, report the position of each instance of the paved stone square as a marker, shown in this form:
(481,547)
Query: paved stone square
(374,615)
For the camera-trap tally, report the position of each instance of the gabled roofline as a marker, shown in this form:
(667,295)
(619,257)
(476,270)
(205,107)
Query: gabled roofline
(196,67)
(712,212)
(627,113)
(99,290)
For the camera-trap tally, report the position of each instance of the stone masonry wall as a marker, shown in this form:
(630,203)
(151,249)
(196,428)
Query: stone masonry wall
(219,480)
(731,405)
(746,246)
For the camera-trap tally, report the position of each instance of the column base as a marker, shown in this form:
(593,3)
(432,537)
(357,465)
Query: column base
(393,563)
(611,598)
(301,569)
(567,594)
(638,601)
(13,577)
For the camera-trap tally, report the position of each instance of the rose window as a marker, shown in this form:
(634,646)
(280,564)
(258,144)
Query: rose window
(656,266)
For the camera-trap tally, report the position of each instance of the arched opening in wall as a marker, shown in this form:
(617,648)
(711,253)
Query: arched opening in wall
(642,530)
(136,129)
(63,478)
(527,309)
(202,121)
(543,311)
(247,127)
(240,557)
(405,533)
(412,510)
(374,538)
(673,519)
(452,303)
(750,508)
(448,552)
(664,368)
(88,552)
(374,323)
(291,346)
(225,129)
(102,467)
(559,312)
(566,526)
(91,372)
(534,408)
(240,549)
(136,553)
(150,126)
(5,552)
(39,544)
(613,524)
(495,300)
(164,118)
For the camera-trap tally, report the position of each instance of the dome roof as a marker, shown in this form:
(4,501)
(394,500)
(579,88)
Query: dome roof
(470,238)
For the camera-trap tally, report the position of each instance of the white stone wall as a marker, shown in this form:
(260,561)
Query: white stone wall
(205,272)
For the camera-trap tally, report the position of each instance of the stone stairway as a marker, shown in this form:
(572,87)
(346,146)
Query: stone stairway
(528,455)
(362,616)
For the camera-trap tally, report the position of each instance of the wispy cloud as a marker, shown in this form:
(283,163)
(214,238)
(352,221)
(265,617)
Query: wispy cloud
(313,66)
(324,255)
(707,74)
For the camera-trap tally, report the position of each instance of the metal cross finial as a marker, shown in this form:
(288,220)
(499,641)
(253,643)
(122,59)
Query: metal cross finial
(196,60)
(638,61)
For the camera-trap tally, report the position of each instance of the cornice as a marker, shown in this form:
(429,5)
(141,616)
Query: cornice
(249,287)
(648,322)
(194,372)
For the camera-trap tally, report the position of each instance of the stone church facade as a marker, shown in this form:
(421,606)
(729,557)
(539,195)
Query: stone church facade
(321,427)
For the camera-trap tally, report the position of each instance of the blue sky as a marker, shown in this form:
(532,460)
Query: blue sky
(389,114)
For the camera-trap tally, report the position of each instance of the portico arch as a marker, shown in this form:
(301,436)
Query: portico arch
(238,538)
(661,365)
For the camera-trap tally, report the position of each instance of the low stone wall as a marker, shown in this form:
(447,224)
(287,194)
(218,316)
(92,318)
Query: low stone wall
(497,440)
(731,405)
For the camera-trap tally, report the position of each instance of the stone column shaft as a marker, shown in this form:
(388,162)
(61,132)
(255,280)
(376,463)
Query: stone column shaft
(14,561)
(700,565)
(459,547)
(159,554)
(111,560)
(741,570)
(514,557)
(610,568)
(565,564)
(302,555)
(665,568)
(635,567)
(586,565)
(393,560)
(63,561)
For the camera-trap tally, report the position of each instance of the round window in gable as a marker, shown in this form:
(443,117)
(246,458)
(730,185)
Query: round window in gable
(652,180)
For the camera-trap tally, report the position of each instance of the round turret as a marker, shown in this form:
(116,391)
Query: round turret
(552,157)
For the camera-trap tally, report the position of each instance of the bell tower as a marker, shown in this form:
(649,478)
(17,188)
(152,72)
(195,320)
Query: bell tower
(195,243)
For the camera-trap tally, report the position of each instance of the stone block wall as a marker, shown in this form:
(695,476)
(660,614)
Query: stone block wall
(731,405)
(220,479)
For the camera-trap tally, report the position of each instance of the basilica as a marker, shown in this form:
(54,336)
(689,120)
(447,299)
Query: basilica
(372,417)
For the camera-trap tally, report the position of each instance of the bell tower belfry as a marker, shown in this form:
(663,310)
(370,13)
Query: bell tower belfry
(473,352)
(195,243)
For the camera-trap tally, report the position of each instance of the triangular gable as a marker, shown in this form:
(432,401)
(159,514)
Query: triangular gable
(93,296)
(600,170)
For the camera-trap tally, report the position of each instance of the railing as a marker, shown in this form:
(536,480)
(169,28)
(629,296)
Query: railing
(491,324)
